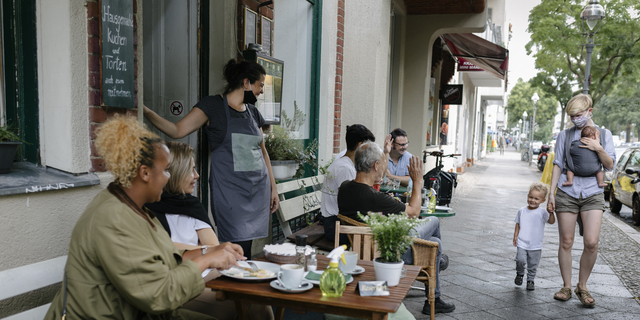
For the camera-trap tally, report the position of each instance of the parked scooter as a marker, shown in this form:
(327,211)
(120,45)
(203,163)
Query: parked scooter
(542,157)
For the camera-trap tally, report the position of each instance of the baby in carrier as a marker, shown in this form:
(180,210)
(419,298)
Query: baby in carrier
(586,162)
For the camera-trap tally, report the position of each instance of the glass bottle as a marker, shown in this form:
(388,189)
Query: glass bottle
(301,248)
(312,263)
(432,201)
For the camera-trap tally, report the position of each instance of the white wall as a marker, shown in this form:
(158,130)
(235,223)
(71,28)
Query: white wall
(365,80)
(62,84)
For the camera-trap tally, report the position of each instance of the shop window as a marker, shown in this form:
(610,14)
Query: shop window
(19,101)
(292,43)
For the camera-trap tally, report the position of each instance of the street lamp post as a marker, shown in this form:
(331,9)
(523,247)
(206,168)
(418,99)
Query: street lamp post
(524,127)
(535,99)
(592,14)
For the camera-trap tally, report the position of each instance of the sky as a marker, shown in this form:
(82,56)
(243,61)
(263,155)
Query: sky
(520,64)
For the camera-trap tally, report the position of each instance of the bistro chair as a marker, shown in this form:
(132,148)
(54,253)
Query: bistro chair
(424,255)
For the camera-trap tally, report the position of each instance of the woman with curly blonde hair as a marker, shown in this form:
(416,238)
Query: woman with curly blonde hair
(121,263)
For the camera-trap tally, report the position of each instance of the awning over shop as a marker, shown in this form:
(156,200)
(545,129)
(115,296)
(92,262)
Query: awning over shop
(486,55)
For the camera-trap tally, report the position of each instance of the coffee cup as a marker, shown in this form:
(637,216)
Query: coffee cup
(352,259)
(290,275)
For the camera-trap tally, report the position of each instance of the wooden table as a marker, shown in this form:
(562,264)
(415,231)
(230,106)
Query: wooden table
(350,304)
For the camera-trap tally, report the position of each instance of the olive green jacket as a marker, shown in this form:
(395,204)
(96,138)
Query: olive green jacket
(121,267)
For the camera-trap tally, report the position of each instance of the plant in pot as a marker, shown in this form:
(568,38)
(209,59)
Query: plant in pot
(9,143)
(392,236)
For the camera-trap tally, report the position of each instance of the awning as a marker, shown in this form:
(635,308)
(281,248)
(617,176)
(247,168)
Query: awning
(484,54)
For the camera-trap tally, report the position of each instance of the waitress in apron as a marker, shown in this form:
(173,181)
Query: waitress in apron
(243,190)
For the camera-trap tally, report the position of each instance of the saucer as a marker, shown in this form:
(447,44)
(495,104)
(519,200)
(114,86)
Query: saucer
(357,270)
(304,286)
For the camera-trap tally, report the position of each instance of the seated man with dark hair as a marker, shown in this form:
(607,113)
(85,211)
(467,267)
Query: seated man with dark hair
(359,196)
(341,170)
(399,157)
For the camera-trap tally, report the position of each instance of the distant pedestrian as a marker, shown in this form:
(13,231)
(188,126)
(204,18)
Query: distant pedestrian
(501,143)
(529,233)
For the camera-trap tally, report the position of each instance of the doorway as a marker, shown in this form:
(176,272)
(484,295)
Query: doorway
(170,61)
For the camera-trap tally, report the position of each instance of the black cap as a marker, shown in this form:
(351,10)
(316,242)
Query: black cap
(301,240)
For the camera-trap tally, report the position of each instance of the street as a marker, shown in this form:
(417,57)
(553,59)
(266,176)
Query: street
(481,272)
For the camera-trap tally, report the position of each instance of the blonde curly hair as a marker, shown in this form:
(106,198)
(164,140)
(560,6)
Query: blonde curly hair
(125,144)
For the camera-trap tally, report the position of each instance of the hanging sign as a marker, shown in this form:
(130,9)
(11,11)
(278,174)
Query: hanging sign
(464,65)
(451,94)
(117,53)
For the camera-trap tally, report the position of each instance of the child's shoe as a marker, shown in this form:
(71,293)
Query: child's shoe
(531,285)
(518,280)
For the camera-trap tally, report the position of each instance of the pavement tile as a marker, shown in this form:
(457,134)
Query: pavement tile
(515,313)
(550,310)
(477,315)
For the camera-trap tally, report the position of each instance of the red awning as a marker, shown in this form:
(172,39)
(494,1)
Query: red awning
(484,54)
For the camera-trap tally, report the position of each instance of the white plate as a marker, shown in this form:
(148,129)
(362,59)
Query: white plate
(237,274)
(443,208)
(317,282)
(306,285)
(356,271)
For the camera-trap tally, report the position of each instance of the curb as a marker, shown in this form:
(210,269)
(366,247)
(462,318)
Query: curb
(623,226)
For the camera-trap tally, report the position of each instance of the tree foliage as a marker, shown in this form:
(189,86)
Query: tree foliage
(557,85)
(557,41)
(619,110)
(520,101)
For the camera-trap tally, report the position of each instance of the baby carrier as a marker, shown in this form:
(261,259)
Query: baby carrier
(586,168)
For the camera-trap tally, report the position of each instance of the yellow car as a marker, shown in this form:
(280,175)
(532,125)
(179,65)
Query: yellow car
(625,184)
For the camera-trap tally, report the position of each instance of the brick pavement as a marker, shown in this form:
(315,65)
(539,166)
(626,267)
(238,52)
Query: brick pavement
(478,240)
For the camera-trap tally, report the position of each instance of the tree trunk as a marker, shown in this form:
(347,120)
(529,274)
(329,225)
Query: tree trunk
(627,137)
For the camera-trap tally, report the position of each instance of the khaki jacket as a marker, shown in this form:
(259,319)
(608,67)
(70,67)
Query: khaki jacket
(120,267)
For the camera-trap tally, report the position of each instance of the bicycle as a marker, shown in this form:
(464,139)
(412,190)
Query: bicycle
(442,182)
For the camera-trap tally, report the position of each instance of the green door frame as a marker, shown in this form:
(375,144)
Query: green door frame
(20,59)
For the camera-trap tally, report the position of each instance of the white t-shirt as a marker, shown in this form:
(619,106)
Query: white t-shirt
(531,227)
(183,228)
(341,170)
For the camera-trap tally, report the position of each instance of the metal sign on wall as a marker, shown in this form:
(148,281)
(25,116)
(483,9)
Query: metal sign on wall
(117,53)
(451,94)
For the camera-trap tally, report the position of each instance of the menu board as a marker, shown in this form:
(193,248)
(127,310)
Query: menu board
(117,53)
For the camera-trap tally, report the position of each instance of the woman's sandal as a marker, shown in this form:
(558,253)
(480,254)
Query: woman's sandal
(583,295)
(565,292)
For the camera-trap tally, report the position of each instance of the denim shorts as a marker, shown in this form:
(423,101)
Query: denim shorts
(567,203)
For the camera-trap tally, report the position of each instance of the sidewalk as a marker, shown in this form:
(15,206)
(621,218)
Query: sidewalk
(481,271)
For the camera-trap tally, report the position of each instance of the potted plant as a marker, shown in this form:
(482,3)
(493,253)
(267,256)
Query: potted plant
(392,236)
(288,154)
(9,142)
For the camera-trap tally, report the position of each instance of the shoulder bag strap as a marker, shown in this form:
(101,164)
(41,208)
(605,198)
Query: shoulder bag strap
(568,138)
(64,296)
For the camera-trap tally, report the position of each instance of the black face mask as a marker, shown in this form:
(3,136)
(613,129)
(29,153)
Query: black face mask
(249,97)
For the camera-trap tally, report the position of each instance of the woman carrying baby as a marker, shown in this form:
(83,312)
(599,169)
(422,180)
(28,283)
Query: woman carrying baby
(583,196)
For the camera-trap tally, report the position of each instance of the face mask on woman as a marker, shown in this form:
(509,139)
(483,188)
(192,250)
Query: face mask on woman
(581,121)
(249,97)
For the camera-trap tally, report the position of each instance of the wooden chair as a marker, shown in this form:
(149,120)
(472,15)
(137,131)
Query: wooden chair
(361,239)
(424,255)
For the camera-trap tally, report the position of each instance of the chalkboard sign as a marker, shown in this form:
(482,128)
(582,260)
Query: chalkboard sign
(117,53)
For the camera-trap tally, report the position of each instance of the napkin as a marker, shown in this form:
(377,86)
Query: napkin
(316,276)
